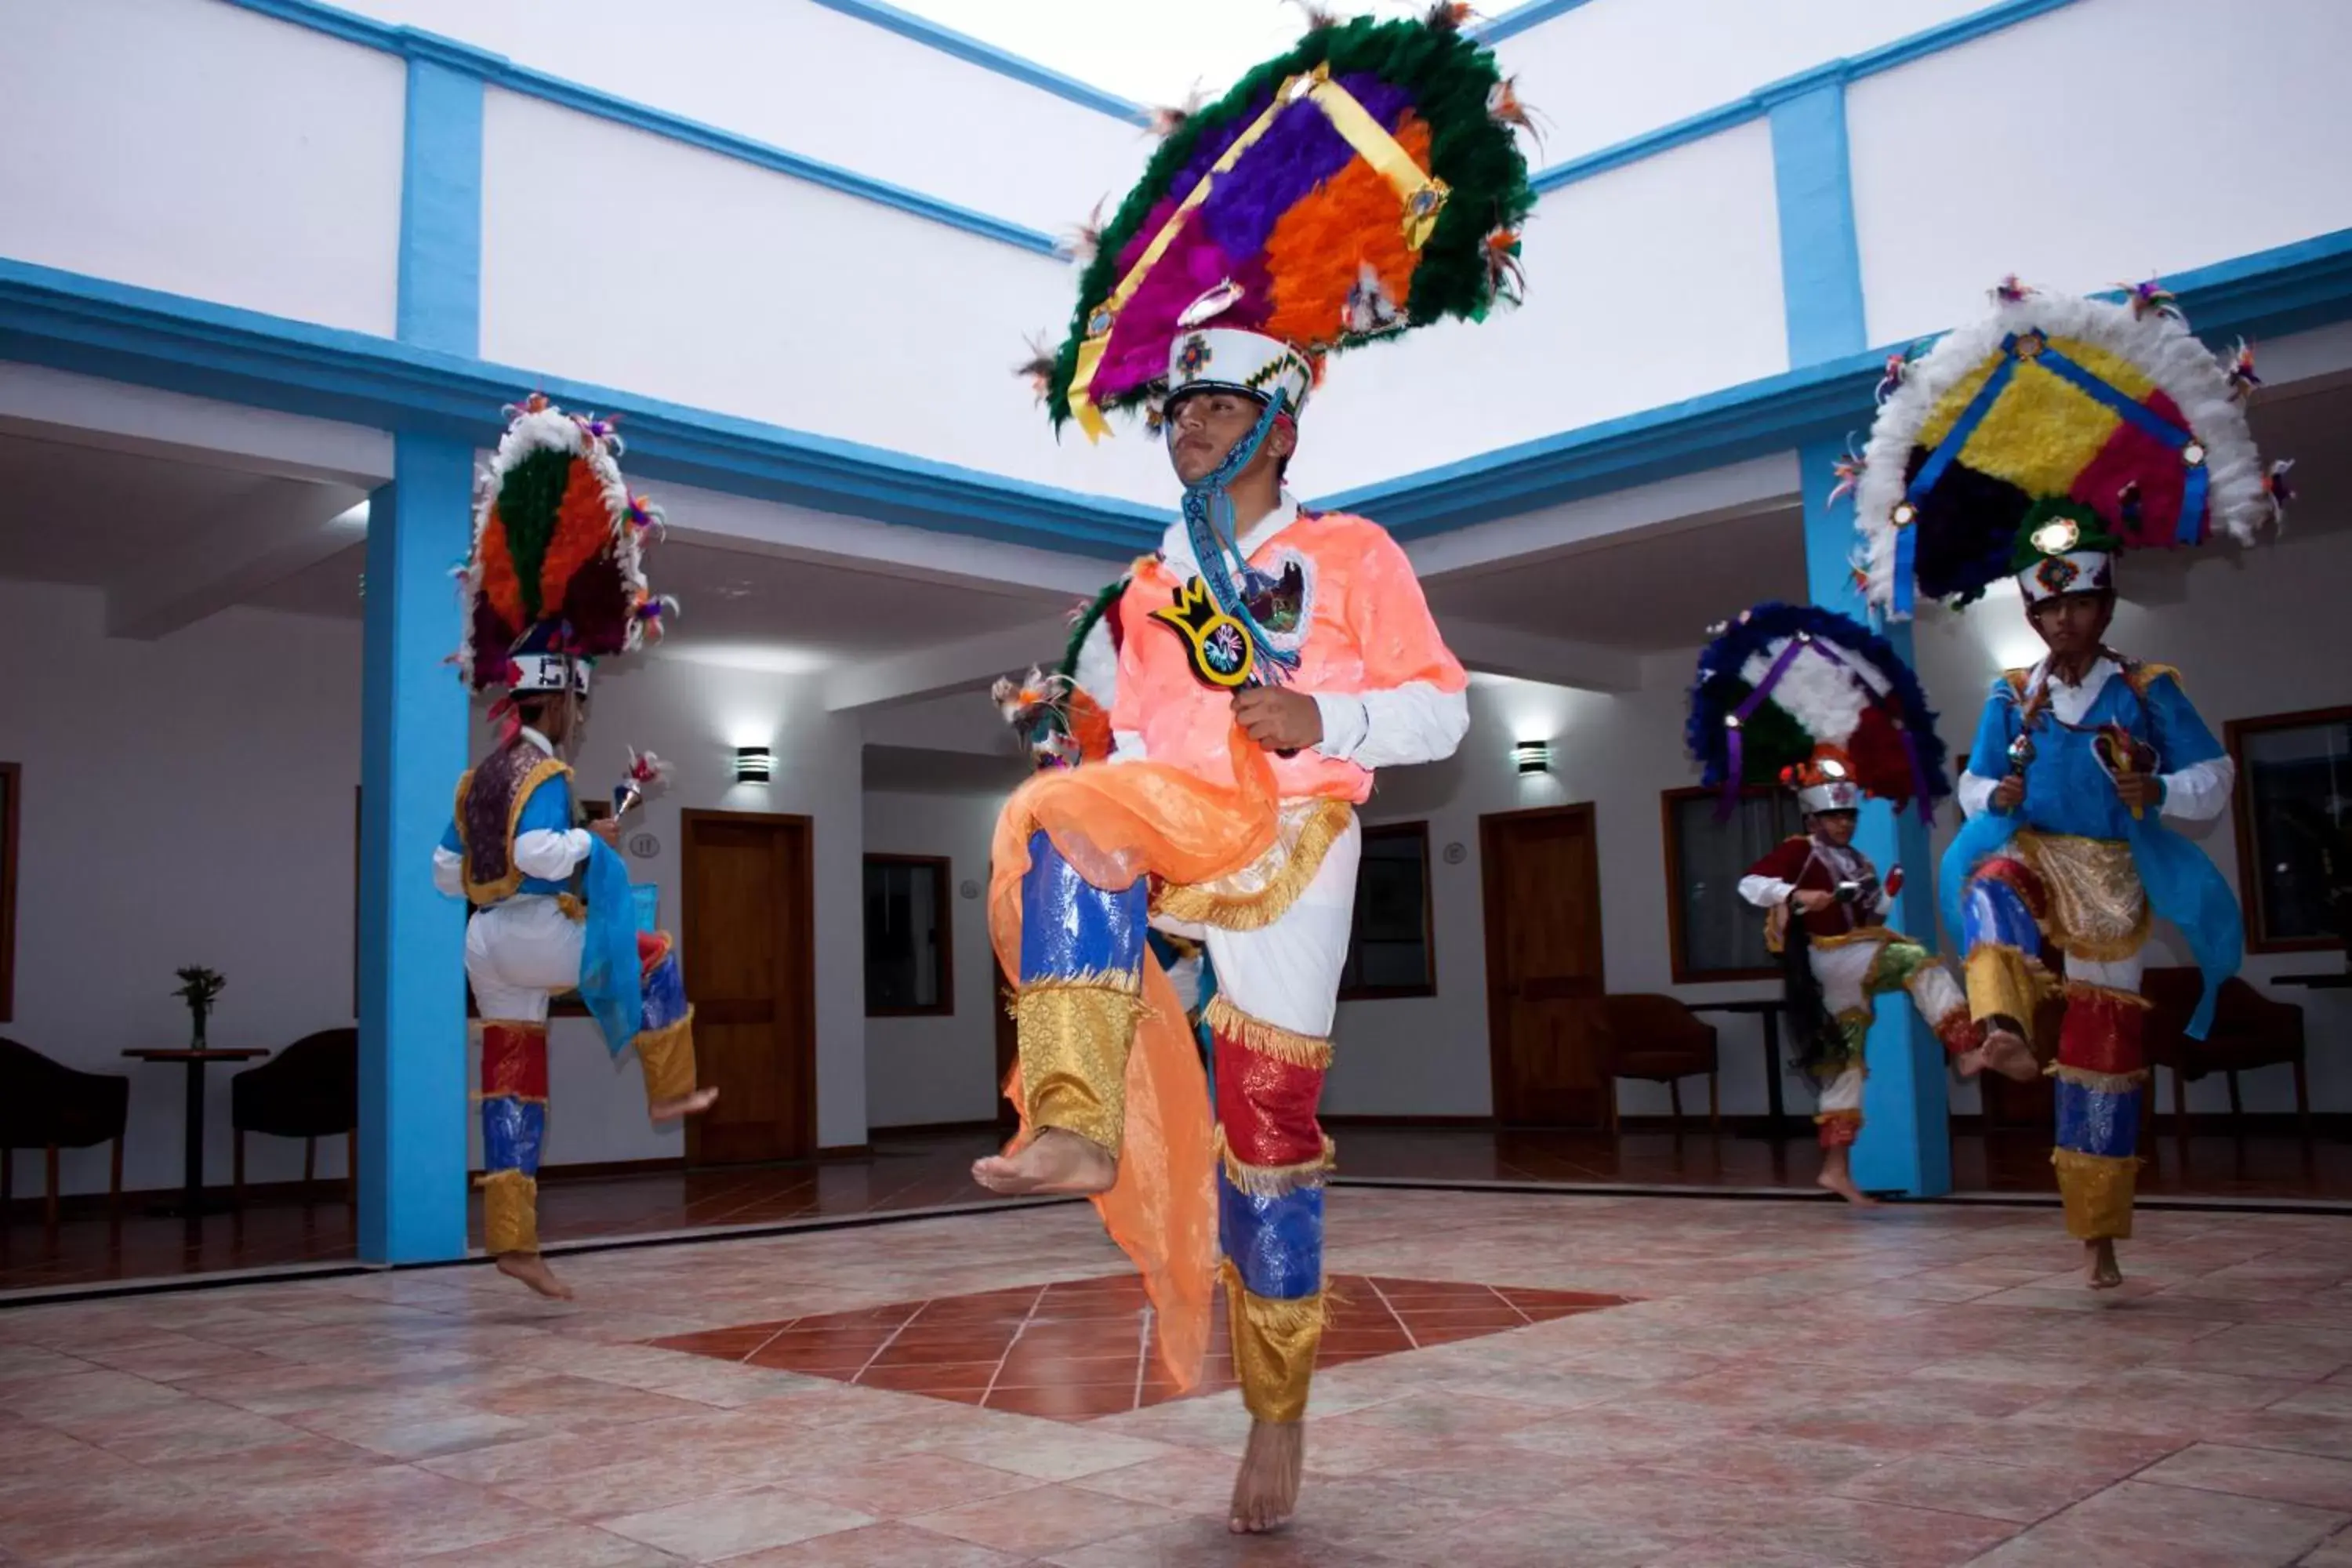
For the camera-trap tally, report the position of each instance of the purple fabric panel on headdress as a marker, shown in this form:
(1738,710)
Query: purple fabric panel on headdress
(1228,238)
(1297,153)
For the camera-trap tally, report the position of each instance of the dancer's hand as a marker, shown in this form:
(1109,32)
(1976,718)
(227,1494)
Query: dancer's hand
(2008,794)
(1894,881)
(608,829)
(1277,719)
(1812,901)
(2139,790)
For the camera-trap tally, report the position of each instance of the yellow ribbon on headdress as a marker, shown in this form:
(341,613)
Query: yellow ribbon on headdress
(1423,193)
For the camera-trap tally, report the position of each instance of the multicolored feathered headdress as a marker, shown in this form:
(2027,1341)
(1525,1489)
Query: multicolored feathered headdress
(1806,697)
(1366,183)
(556,577)
(2106,416)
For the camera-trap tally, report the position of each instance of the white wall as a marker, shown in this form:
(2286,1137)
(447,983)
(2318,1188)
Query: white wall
(1693,55)
(164,822)
(1646,285)
(2264,635)
(203,150)
(827,86)
(725,286)
(938,1070)
(2226,141)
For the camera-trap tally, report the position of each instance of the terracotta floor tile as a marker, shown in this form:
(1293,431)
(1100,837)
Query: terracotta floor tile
(1035,1370)
(929,1376)
(731,1344)
(1066,1400)
(912,1350)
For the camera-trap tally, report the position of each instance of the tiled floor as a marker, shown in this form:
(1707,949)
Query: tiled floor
(1799,1383)
(1081,1348)
(924,1171)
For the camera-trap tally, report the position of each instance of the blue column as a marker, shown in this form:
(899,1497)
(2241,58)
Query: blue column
(1906,1128)
(413,715)
(414,709)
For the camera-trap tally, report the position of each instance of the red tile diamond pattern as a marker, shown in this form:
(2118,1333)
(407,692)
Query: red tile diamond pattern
(1080,1349)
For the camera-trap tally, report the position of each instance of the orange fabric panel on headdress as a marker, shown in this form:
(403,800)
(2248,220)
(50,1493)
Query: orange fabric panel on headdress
(583,526)
(1319,248)
(500,584)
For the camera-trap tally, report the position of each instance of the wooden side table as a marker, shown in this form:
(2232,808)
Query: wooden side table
(192,1204)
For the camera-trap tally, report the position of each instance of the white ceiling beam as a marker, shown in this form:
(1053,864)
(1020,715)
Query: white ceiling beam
(1555,662)
(270,534)
(1717,495)
(111,415)
(966,664)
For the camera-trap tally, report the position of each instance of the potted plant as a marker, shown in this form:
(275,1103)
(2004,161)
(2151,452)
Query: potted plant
(198,986)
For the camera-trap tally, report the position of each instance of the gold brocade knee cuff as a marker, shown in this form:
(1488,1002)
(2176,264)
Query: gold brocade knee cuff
(510,1213)
(1074,1036)
(2003,982)
(2097,1191)
(1274,1348)
(666,1055)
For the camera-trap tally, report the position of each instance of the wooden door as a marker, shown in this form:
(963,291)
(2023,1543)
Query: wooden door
(747,936)
(1544,979)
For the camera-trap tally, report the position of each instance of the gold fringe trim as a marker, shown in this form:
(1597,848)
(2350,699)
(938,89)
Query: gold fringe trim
(2104,1083)
(1273,1347)
(2097,1192)
(1074,1043)
(666,1057)
(509,1212)
(1210,905)
(477,1098)
(479,893)
(1266,1040)
(1127,983)
(1274,1180)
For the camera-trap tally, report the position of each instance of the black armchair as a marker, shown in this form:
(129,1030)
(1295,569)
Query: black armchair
(49,1106)
(309,1090)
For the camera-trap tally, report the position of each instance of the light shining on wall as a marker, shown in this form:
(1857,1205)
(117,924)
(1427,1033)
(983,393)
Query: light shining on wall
(1532,757)
(753,765)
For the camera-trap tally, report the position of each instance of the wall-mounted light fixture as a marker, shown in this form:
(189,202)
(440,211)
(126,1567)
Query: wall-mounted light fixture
(753,765)
(1532,756)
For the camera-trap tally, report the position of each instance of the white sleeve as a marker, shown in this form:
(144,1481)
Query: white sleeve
(2200,792)
(549,855)
(448,872)
(1416,722)
(1975,794)
(1766,893)
(1126,746)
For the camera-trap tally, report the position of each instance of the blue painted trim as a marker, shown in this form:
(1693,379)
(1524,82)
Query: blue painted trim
(497,71)
(1821,259)
(1519,19)
(2292,287)
(413,721)
(988,57)
(440,304)
(141,335)
(1758,104)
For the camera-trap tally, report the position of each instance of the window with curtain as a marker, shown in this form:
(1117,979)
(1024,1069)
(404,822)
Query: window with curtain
(2294,806)
(1717,935)
(1389,950)
(908,956)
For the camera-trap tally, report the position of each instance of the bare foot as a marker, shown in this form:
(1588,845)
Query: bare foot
(1970,1062)
(684,1106)
(532,1270)
(1267,1490)
(1053,1162)
(1837,1176)
(2104,1273)
(2006,1053)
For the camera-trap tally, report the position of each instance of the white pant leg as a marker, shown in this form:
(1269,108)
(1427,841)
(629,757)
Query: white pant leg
(1287,974)
(1841,972)
(519,954)
(2115,974)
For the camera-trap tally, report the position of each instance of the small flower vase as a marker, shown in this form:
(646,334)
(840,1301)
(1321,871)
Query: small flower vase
(197,1010)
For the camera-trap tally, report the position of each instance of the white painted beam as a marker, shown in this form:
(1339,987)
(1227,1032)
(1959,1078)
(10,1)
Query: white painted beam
(112,416)
(967,664)
(1526,656)
(1736,489)
(275,530)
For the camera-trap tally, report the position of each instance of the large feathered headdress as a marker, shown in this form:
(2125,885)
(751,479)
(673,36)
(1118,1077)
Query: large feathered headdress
(2059,430)
(556,576)
(1366,183)
(1809,697)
